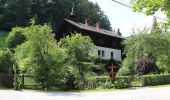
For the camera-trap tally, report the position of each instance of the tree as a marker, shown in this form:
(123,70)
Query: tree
(16,37)
(6,61)
(19,12)
(78,48)
(40,56)
(144,45)
(151,6)
(155,27)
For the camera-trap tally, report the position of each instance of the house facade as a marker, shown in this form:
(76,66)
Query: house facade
(108,43)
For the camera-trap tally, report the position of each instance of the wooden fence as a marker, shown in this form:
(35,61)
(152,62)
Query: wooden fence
(27,82)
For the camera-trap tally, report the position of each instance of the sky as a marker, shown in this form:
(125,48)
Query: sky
(124,18)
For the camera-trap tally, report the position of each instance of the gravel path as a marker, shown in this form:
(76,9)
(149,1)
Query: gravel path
(138,94)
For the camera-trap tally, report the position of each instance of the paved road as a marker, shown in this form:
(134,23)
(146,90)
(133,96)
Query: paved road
(138,94)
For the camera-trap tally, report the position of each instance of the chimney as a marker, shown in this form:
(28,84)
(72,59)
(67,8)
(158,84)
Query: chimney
(98,25)
(87,22)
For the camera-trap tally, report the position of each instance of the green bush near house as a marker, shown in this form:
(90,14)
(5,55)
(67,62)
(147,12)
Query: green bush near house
(160,79)
(122,82)
(104,82)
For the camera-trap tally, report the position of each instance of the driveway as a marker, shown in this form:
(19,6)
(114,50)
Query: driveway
(137,94)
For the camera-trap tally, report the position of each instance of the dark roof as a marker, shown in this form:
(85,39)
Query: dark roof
(94,29)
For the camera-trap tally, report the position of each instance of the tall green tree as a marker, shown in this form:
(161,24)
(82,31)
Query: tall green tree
(40,56)
(78,48)
(19,12)
(144,45)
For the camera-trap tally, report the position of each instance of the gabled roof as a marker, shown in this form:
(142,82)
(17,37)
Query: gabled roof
(93,29)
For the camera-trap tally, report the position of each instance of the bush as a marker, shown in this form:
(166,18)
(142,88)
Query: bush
(104,82)
(145,66)
(127,68)
(99,69)
(122,82)
(16,37)
(150,80)
(6,60)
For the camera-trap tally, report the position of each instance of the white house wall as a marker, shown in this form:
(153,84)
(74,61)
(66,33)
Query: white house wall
(107,53)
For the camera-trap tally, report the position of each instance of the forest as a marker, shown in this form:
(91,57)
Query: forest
(19,12)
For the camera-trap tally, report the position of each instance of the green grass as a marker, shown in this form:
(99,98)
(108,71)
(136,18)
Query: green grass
(3,36)
(159,86)
(94,90)
(99,90)
(4,88)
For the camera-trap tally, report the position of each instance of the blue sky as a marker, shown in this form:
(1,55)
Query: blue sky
(123,17)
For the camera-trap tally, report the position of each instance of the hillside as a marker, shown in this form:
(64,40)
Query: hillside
(3,36)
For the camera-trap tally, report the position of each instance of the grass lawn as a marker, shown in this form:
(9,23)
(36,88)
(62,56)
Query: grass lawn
(93,90)
(3,36)
(4,88)
(159,86)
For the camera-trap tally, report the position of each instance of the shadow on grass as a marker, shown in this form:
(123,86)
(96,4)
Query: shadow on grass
(5,88)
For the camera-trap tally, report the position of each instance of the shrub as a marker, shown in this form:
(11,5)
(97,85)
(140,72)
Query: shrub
(127,68)
(104,82)
(145,66)
(122,82)
(150,80)
(16,37)
(6,60)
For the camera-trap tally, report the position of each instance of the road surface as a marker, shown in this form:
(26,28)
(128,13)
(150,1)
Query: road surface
(137,94)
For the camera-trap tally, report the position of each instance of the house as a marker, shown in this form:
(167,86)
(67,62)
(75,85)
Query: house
(108,43)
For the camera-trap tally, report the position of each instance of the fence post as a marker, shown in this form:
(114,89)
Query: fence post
(22,81)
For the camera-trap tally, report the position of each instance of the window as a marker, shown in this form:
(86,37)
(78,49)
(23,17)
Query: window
(103,53)
(99,53)
(111,54)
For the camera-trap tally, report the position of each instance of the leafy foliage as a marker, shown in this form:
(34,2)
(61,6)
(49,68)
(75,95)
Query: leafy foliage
(40,56)
(78,48)
(151,80)
(16,37)
(3,36)
(6,60)
(122,82)
(144,45)
(145,66)
(19,12)
(103,82)
(151,6)
(127,68)
(17,85)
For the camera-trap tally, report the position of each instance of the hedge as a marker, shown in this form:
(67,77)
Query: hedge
(106,82)
(101,82)
(160,79)
(123,82)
